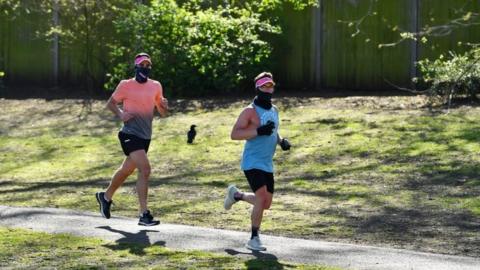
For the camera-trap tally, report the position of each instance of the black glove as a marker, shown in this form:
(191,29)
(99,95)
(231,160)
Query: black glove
(267,129)
(285,144)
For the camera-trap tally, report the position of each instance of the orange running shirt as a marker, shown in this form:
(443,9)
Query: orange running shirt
(139,99)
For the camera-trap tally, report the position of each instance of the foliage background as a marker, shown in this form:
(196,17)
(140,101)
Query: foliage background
(199,51)
(215,47)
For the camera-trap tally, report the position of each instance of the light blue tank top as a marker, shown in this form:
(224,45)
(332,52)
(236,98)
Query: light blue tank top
(258,152)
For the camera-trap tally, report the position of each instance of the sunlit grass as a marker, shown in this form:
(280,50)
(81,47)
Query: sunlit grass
(354,165)
(22,249)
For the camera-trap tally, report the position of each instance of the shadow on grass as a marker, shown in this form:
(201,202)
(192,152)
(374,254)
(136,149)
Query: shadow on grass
(443,230)
(62,119)
(49,185)
(135,243)
(177,179)
(388,222)
(415,221)
(262,260)
(430,207)
(33,213)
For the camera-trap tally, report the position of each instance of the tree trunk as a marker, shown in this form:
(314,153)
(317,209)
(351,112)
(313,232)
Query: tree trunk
(55,47)
(316,47)
(414,28)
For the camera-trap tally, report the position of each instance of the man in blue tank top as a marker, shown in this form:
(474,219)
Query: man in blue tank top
(258,125)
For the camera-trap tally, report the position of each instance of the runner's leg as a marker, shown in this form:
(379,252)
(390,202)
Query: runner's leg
(119,177)
(140,159)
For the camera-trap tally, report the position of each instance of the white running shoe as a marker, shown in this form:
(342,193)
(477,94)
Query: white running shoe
(255,244)
(229,198)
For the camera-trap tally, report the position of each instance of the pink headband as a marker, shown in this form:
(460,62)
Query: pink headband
(263,81)
(141,59)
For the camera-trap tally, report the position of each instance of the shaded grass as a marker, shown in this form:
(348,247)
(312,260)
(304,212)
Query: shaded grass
(360,170)
(22,249)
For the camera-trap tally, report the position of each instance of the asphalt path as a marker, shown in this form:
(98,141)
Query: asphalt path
(182,237)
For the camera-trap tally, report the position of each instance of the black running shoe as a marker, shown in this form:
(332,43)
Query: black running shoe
(147,219)
(104,204)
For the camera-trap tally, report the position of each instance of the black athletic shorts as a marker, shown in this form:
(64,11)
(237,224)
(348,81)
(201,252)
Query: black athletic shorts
(258,178)
(132,143)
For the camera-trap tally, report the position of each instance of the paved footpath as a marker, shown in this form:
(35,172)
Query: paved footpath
(183,237)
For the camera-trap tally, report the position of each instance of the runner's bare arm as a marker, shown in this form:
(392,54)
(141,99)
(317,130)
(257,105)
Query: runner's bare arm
(112,105)
(244,128)
(161,103)
(162,106)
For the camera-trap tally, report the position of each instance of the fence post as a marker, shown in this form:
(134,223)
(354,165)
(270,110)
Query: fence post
(55,56)
(316,48)
(414,28)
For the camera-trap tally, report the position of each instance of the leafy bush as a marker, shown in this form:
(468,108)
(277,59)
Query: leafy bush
(458,76)
(194,52)
(84,28)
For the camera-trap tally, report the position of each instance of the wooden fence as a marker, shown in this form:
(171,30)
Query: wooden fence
(319,52)
(316,50)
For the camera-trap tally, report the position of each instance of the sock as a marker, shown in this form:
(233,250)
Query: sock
(254,232)
(238,196)
(105,197)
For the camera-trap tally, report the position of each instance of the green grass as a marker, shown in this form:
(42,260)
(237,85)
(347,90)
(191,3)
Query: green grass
(24,249)
(360,169)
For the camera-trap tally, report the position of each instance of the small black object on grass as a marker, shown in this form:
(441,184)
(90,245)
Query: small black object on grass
(191,134)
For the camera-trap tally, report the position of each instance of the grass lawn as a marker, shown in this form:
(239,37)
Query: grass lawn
(378,171)
(22,249)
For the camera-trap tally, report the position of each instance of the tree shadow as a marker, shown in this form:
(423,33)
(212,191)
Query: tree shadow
(69,116)
(49,185)
(176,179)
(135,243)
(423,225)
(31,214)
(262,260)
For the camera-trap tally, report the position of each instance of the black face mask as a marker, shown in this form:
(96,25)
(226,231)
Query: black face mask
(141,74)
(263,100)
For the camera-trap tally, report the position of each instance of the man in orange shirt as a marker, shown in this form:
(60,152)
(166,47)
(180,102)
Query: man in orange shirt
(139,97)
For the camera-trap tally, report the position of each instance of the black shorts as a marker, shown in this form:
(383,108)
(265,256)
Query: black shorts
(258,178)
(132,143)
